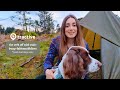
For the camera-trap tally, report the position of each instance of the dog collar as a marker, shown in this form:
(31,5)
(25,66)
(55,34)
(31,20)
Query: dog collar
(84,74)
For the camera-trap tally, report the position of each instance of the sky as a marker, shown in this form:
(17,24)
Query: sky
(58,16)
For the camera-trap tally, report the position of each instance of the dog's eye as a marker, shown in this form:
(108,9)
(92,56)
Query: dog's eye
(84,55)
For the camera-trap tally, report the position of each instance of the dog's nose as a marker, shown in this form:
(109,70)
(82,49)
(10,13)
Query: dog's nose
(99,64)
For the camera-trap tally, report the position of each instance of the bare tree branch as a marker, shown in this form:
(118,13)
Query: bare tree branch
(30,59)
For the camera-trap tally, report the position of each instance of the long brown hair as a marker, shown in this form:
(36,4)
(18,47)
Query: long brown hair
(78,40)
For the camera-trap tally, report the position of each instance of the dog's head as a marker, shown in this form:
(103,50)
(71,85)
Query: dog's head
(77,62)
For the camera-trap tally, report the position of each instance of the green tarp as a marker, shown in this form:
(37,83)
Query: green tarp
(107,25)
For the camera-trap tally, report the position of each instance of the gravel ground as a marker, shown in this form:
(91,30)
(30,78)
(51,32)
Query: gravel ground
(96,75)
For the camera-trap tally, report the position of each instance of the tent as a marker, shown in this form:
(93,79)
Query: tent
(92,38)
(101,30)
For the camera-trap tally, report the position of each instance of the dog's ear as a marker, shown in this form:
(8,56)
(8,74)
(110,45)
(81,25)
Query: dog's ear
(85,56)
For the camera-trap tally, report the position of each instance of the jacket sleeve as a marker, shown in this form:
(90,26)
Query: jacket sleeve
(87,46)
(48,63)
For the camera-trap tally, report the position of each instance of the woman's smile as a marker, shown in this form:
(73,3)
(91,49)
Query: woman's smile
(71,33)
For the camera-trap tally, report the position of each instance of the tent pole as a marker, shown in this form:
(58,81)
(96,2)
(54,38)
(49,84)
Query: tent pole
(93,41)
(110,41)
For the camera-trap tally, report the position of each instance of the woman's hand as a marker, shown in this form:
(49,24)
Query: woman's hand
(50,73)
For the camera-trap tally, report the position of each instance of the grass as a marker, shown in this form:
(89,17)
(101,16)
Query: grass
(10,65)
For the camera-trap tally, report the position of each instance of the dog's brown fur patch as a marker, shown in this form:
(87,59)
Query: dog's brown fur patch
(75,63)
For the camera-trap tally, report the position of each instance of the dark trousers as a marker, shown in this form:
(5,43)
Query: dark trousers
(43,76)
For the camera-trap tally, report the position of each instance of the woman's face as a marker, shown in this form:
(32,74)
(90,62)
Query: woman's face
(71,28)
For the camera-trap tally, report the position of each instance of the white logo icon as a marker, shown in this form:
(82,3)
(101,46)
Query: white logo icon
(13,36)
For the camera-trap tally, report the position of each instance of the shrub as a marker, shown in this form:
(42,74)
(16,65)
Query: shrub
(30,33)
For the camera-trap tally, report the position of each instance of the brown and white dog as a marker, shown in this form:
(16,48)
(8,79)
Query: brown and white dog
(76,63)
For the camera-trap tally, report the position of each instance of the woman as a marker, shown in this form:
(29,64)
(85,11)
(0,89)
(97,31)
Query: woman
(71,35)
